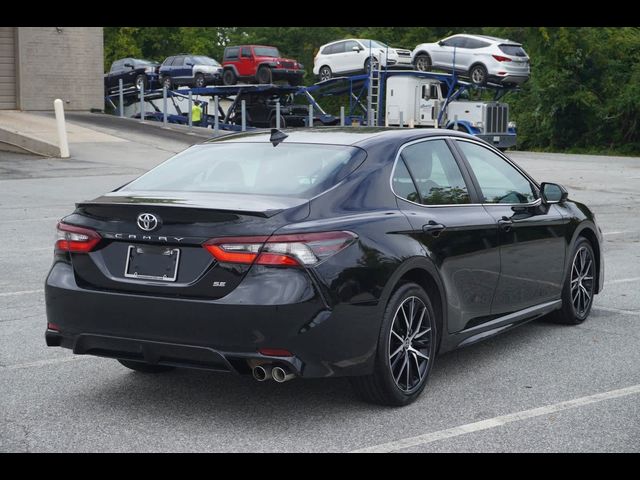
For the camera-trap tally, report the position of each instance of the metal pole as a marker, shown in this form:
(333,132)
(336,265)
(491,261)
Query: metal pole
(216,121)
(142,103)
(121,99)
(190,107)
(342,116)
(244,115)
(455,122)
(62,130)
(310,116)
(164,106)
(401,120)
(278,114)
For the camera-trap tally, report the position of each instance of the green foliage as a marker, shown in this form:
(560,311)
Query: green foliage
(584,92)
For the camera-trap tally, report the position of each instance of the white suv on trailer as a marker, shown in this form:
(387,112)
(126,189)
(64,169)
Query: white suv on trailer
(483,59)
(354,55)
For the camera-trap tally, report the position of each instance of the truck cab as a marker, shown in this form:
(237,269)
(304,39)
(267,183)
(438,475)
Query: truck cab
(417,102)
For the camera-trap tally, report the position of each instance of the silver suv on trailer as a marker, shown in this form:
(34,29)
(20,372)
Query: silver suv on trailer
(483,59)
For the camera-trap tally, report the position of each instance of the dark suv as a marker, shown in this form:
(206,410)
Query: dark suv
(261,110)
(259,64)
(133,72)
(192,70)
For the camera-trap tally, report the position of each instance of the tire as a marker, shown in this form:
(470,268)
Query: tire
(478,75)
(141,80)
(579,285)
(229,77)
(325,73)
(283,122)
(199,81)
(368,62)
(166,82)
(422,62)
(145,367)
(388,384)
(264,76)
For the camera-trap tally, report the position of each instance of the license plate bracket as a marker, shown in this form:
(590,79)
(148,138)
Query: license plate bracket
(149,262)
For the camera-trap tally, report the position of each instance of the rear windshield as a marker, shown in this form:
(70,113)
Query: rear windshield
(266,51)
(514,50)
(295,169)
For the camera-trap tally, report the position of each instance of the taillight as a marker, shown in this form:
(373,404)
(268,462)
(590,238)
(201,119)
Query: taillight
(303,249)
(76,239)
(500,58)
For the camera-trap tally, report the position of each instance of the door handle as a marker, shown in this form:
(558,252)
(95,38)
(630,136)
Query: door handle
(505,224)
(433,228)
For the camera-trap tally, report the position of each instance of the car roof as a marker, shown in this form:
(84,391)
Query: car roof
(486,37)
(349,136)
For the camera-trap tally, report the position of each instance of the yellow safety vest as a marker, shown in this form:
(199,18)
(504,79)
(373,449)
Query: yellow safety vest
(196,113)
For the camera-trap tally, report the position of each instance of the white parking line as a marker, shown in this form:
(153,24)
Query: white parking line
(618,310)
(40,363)
(622,280)
(497,421)
(23,292)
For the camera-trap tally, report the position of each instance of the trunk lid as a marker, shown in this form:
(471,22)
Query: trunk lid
(183,222)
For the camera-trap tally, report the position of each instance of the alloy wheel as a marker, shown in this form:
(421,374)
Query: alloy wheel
(423,64)
(325,73)
(477,76)
(410,344)
(582,281)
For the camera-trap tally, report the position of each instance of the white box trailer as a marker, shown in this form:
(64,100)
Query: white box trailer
(417,102)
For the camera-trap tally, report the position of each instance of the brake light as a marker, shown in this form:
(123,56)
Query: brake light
(76,239)
(303,249)
(500,58)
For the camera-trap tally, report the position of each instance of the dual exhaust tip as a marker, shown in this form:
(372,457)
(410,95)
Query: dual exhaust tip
(266,372)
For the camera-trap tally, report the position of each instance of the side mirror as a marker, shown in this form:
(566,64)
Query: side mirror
(189,64)
(130,65)
(553,193)
(355,49)
(441,43)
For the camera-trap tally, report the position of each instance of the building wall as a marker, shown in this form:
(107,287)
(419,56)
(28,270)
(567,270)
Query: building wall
(66,64)
(7,68)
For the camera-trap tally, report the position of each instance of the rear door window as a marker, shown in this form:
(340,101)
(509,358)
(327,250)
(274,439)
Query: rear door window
(435,173)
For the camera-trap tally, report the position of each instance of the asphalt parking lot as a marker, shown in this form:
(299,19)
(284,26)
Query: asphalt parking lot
(541,387)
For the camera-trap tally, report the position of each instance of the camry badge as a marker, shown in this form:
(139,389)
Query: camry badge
(147,222)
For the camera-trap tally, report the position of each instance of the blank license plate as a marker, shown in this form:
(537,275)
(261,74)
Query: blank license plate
(152,263)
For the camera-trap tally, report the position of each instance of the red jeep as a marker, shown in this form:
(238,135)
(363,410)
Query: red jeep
(259,64)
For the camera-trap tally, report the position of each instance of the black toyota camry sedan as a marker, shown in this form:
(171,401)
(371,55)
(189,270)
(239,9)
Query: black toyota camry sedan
(359,252)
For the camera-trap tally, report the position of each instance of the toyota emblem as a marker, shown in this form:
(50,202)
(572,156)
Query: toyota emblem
(148,222)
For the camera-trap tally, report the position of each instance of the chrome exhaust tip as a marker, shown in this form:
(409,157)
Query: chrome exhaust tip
(281,375)
(262,373)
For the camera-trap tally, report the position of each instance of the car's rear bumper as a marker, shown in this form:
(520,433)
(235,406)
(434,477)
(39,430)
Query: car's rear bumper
(510,78)
(280,73)
(217,334)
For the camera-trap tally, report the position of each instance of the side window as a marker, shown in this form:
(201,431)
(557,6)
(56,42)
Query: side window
(178,61)
(349,46)
(474,43)
(403,184)
(499,181)
(245,52)
(452,42)
(435,173)
(231,53)
(167,61)
(339,47)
